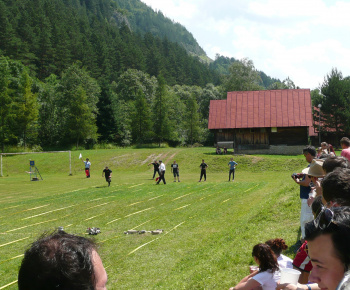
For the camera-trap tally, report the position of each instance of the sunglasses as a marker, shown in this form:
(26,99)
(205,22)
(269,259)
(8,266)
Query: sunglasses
(324,218)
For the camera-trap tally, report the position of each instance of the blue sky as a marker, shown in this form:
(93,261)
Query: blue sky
(302,39)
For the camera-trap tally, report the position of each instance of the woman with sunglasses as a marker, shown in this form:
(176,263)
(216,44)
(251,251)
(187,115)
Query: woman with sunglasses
(328,238)
(268,273)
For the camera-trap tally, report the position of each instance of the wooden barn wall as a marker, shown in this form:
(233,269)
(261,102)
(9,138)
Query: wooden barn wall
(245,136)
(225,135)
(284,136)
(289,136)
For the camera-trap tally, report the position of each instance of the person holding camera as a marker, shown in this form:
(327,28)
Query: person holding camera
(304,182)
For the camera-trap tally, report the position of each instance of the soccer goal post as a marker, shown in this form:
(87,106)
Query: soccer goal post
(24,153)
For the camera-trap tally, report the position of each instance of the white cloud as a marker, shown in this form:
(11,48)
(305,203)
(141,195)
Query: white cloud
(296,38)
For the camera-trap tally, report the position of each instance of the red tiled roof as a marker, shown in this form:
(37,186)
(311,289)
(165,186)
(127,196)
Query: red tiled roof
(258,109)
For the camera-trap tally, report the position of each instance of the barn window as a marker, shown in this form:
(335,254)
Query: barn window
(273,129)
(252,130)
(262,130)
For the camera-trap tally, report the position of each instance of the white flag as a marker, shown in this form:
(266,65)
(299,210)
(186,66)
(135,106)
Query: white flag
(80,156)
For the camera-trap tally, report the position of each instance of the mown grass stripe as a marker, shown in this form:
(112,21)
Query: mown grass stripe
(139,211)
(49,212)
(3,245)
(9,284)
(90,218)
(30,226)
(182,207)
(19,256)
(136,185)
(113,221)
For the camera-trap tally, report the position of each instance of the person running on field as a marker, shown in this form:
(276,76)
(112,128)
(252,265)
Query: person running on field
(161,172)
(87,167)
(175,171)
(108,175)
(155,168)
(203,168)
(232,165)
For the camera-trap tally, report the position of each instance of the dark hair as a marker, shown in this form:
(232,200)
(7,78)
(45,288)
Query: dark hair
(339,230)
(277,246)
(345,141)
(336,186)
(266,257)
(58,261)
(333,162)
(317,205)
(311,150)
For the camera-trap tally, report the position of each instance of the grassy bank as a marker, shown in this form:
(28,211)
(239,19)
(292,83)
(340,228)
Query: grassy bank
(209,227)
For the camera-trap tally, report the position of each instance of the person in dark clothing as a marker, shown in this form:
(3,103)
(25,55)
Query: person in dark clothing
(203,168)
(175,170)
(155,167)
(108,175)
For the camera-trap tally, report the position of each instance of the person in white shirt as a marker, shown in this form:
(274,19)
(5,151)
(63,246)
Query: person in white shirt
(267,275)
(277,246)
(87,167)
(161,172)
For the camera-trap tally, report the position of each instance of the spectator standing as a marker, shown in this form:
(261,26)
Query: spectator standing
(203,168)
(87,167)
(155,168)
(232,164)
(62,261)
(345,145)
(304,183)
(161,172)
(175,170)
(108,175)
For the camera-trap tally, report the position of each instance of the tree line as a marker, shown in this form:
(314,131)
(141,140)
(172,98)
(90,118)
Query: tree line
(71,73)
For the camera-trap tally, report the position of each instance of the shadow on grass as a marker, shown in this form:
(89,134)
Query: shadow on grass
(292,249)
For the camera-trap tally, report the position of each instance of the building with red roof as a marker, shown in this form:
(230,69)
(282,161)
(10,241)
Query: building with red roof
(265,122)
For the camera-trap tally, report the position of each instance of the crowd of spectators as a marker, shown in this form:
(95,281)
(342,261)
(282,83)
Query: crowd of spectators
(323,251)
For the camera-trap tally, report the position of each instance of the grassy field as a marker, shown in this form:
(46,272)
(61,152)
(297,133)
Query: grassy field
(209,227)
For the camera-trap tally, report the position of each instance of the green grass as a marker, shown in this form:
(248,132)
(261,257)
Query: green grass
(210,227)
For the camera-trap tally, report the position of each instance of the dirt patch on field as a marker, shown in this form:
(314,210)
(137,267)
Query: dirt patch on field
(170,158)
(256,159)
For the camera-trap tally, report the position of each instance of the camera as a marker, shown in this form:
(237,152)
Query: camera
(297,175)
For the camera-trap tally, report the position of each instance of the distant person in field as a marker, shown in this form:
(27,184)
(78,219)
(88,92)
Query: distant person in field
(161,172)
(155,168)
(203,168)
(108,175)
(225,151)
(62,261)
(218,150)
(232,164)
(175,171)
(87,167)
(345,145)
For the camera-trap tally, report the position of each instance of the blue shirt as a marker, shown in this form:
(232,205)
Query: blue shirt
(232,165)
(305,190)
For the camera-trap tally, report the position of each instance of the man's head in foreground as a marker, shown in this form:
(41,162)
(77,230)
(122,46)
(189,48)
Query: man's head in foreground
(328,238)
(62,261)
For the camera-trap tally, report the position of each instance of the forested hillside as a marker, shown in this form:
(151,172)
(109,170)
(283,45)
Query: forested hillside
(84,71)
